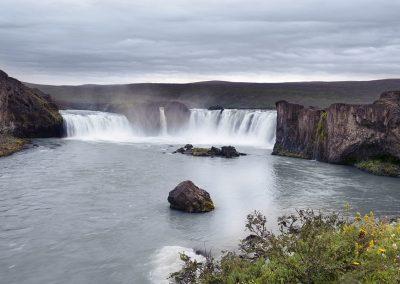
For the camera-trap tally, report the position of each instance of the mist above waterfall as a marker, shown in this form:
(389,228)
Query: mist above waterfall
(206,127)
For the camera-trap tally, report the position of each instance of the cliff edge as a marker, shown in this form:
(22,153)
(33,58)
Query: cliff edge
(367,136)
(25,113)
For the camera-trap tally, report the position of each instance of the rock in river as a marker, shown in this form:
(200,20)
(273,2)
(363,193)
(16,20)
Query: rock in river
(187,197)
(224,151)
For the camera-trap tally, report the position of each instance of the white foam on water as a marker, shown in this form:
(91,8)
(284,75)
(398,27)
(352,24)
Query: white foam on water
(167,260)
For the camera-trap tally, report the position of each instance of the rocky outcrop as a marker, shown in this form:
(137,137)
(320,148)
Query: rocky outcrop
(177,115)
(216,107)
(341,133)
(224,151)
(187,197)
(147,115)
(144,115)
(26,112)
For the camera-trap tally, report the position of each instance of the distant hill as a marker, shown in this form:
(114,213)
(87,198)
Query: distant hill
(227,94)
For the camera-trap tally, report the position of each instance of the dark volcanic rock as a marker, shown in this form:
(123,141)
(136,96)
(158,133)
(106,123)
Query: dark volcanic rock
(225,151)
(187,197)
(341,133)
(177,115)
(216,107)
(26,112)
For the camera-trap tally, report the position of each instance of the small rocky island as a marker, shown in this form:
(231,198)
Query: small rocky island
(187,197)
(25,113)
(224,151)
(366,136)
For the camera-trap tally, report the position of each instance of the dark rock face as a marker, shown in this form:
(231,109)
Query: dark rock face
(224,151)
(216,107)
(177,115)
(187,197)
(341,133)
(145,115)
(26,112)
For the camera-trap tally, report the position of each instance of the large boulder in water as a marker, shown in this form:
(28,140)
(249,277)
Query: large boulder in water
(177,115)
(189,198)
(26,112)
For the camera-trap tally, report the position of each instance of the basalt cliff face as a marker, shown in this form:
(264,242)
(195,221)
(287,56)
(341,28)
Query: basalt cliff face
(343,133)
(26,112)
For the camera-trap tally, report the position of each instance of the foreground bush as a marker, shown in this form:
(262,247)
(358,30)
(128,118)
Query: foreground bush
(310,248)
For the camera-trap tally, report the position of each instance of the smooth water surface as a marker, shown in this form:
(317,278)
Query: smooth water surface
(93,212)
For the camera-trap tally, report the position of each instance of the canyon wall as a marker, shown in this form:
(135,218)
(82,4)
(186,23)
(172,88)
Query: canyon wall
(341,133)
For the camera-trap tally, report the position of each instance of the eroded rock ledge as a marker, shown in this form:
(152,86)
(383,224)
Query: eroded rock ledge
(367,136)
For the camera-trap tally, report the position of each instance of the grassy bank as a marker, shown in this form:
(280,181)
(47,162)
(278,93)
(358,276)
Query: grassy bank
(309,248)
(380,166)
(10,145)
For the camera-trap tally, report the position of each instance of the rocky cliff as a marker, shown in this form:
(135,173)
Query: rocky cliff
(367,136)
(26,112)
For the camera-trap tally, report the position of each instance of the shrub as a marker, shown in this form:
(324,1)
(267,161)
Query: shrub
(309,248)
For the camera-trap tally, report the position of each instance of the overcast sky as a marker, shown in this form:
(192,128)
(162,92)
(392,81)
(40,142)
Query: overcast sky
(119,41)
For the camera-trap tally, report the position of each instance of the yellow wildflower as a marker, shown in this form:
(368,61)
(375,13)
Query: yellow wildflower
(356,263)
(382,250)
(371,244)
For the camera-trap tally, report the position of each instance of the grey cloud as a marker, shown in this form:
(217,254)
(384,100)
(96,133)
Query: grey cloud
(91,41)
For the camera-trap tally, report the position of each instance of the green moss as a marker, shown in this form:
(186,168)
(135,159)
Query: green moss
(208,206)
(321,127)
(380,166)
(284,152)
(10,145)
(201,152)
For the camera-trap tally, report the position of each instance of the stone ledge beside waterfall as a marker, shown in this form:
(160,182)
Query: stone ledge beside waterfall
(367,136)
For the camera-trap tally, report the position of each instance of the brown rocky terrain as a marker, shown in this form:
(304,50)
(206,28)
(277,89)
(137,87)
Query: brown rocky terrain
(25,113)
(186,196)
(367,136)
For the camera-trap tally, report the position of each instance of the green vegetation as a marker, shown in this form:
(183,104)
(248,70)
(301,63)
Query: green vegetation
(10,145)
(310,248)
(278,150)
(321,127)
(201,152)
(384,166)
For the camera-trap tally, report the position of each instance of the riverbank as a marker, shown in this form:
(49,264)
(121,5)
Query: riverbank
(350,250)
(9,145)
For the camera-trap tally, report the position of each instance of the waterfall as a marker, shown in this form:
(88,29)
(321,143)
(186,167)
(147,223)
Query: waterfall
(248,127)
(207,127)
(163,122)
(96,125)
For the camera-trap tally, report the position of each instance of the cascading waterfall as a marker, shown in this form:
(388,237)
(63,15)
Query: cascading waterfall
(208,127)
(163,122)
(248,127)
(96,125)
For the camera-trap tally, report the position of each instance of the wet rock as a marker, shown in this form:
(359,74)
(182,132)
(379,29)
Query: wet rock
(224,151)
(187,197)
(229,152)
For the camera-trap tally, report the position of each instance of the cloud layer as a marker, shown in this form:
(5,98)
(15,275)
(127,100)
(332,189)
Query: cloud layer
(99,41)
